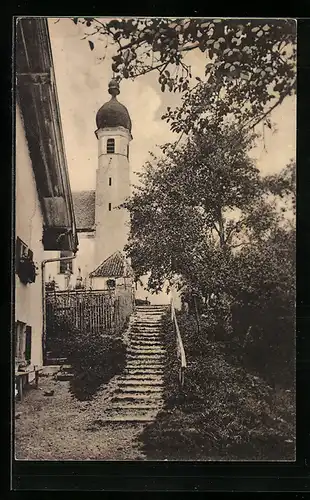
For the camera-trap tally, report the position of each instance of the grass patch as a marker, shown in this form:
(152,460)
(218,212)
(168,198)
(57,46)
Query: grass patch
(223,412)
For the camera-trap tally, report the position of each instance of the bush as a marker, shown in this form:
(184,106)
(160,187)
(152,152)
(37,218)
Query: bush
(94,358)
(59,330)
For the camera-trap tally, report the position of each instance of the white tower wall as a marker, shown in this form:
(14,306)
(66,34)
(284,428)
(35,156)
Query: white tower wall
(112,189)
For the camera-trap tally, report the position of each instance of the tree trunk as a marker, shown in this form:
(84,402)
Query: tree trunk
(221,228)
(197,315)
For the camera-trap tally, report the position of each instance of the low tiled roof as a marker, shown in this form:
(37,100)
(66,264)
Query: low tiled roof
(112,267)
(84,209)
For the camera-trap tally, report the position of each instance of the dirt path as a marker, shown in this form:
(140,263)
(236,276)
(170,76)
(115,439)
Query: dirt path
(59,427)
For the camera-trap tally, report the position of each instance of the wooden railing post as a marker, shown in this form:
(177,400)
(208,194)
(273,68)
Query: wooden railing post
(179,347)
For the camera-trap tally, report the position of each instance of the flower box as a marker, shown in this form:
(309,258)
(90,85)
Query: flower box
(27,270)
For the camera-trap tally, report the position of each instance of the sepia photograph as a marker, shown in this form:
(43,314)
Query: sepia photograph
(155,228)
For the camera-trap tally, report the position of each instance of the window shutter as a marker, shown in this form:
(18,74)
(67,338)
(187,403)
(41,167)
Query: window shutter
(18,249)
(28,343)
(16,339)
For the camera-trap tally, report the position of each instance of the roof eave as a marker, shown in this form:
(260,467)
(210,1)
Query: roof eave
(38,101)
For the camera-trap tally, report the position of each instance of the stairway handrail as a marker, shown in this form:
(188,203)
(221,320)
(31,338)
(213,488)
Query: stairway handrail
(180,347)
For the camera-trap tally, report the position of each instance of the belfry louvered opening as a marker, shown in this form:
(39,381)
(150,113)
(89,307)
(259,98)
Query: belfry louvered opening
(110,146)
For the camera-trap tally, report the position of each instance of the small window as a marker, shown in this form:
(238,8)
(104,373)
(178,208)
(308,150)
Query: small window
(110,181)
(128,151)
(110,146)
(110,207)
(65,265)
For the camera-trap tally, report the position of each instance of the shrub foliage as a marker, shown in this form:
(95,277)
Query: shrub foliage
(94,358)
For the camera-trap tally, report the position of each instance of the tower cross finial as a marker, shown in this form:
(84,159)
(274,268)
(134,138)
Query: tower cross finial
(114,87)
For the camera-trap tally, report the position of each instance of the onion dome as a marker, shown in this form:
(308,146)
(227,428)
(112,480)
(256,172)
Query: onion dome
(113,113)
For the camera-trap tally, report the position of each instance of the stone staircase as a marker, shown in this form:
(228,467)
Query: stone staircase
(137,395)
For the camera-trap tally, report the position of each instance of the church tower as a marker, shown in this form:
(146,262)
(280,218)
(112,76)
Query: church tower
(113,176)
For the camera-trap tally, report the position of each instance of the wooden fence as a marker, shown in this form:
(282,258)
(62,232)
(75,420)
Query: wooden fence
(96,311)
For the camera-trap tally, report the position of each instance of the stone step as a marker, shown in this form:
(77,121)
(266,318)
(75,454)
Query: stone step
(144,341)
(139,323)
(146,354)
(144,368)
(152,307)
(125,406)
(146,333)
(134,375)
(146,336)
(124,387)
(137,345)
(149,314)
(143,354)
(145,350)
(149,343)
(138,394)
(147,347)
(146,361)
(142,329)
(141,381)
(130,417)
(143,325)
(149,320)
(157,327)
(146,324)
(141,376)
(135,396)
(144,318)
(144,365)
(154,358)
(144,372)
(137,405)
(149,311)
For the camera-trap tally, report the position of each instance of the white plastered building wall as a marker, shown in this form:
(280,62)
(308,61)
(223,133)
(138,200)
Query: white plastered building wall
(29,228)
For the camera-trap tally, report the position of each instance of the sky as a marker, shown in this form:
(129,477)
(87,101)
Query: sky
(82,82)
